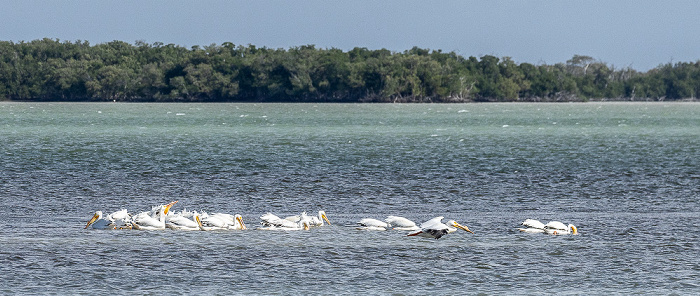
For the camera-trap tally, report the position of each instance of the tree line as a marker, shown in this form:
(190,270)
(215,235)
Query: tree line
(53,70)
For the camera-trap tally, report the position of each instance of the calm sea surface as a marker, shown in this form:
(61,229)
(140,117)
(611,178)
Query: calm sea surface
(626,174)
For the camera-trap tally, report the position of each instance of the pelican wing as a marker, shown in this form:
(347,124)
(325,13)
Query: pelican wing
(436,233)
(147,222)
(270,219)
(102,224)
(181,223)
(532,223)
(400,222)
(435,223)
(217,221)
(432,228)
(555,225)
(295,218)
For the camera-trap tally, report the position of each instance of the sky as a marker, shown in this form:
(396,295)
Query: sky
(638,34)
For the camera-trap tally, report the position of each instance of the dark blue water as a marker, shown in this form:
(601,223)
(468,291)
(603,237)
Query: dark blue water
(627,175)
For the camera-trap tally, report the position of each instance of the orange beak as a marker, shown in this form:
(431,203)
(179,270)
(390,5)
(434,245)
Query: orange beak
(168,206)
(240,220)
(94,218)
(460,226)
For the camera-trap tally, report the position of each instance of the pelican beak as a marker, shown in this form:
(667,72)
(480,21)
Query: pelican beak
(199,222)
(168,206)
(240,220)
(306,226)
(94,218)
(462,227)
(574,230)
(325,218)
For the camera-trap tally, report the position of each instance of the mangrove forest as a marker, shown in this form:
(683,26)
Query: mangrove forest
(54,70)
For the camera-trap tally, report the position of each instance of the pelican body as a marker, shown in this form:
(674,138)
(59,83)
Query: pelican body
(401,223)
(220,221)
(184,220)
(372,224)
(532,226)
(272,222)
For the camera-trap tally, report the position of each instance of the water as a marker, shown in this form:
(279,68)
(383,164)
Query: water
(627,175)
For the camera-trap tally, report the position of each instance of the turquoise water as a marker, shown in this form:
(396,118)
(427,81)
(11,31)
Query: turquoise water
(626,174)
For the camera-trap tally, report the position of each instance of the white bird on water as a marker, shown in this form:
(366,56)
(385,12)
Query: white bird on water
(220,221)
(434,228)
(153,219)
(532,226)
(118,220)
(184,220)
(372,224)
(272,222)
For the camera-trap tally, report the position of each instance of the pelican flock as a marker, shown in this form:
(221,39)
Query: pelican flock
(161,217)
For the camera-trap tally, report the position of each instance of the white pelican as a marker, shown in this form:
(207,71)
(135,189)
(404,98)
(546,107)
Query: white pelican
(401,223)
(154,219)
(220,221)
(558,228)
(117,220)
(314,221)
(434,228)
(532,226)
(272,222)
(184,220)
(372,224)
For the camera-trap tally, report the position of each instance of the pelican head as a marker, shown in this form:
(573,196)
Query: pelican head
(573,229)
(168,206)
(239,218)
(322,214)
(454,224)
(97,216)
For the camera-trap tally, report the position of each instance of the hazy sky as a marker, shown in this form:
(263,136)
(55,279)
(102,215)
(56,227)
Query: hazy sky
(640,34)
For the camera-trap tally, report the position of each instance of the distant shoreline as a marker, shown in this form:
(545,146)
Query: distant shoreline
(688,101)
(51,70)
